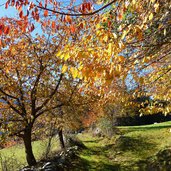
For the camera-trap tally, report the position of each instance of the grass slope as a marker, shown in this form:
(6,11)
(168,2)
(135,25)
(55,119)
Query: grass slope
(14,157)
(123,152)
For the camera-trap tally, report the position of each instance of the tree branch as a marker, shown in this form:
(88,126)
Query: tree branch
(77,15)
(8,95)
(51,95)
(11,106)
(48,109)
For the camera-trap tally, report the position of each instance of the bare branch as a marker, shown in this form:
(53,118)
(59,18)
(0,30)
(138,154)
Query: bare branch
(78,15)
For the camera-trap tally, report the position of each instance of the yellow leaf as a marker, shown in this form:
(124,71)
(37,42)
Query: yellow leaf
(58,54)
(152,1)
(115,35)
(151,16)
(64,68)
(98,26)
(99,2)
(74,72)
(105,38)
(7,70)
(80,67)
(118,68)
(109,50)
(124,34)
(156,7)
(133,2)
(66,56)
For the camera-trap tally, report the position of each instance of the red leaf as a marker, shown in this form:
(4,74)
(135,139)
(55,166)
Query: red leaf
(21,14)
(6,30)
(6,5)
(31,6)
(88,6)
(13,3)
(40,4)
(81,25)
(1,32)
(32,28)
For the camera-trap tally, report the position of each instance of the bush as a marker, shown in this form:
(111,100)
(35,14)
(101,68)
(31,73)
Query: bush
(107,128)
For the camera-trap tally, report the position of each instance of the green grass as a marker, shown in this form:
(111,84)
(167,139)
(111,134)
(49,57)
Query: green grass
(122,152)
(125,152)
(15,156)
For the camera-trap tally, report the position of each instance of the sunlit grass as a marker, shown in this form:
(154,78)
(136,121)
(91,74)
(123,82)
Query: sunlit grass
(136,143)
(17,153)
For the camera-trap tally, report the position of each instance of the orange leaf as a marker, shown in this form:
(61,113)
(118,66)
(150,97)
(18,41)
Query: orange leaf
(68,19)
(73,29)
(46,13)
(53,25)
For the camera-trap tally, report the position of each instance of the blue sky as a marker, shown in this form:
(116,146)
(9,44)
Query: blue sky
(10,12)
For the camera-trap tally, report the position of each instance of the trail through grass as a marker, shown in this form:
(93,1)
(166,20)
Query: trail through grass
(127,151)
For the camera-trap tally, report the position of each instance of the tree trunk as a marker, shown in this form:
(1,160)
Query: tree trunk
(61,139)
(28,147)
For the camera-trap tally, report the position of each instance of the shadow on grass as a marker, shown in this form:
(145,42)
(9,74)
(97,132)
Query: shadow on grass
(103,154)
(135,145)
(85,165)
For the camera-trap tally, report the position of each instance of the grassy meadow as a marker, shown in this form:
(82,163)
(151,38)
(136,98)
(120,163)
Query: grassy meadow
(121,152)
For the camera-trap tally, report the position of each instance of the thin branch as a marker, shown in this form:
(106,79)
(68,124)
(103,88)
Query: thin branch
(21,93)
(51,95)
(162,75)
(49,109)
(12,107)
(8,95)
(78,15)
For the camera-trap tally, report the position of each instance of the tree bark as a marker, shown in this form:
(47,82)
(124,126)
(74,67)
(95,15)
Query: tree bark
(61,139)
(28,147)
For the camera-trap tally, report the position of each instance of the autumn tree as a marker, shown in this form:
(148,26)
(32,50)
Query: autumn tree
(118,40)
(30,75)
